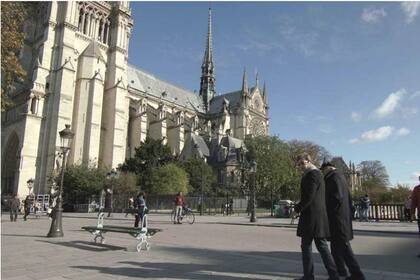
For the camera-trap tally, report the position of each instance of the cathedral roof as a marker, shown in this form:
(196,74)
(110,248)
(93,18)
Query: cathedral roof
(232,142)
(216,104)
(145,82)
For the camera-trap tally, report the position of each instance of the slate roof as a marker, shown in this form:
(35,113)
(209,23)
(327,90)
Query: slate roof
(216,104)
(145,82)
(232,142)
(201,145)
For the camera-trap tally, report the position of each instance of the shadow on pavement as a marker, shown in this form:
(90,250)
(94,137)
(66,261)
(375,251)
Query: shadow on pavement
(24,235)
(84,245)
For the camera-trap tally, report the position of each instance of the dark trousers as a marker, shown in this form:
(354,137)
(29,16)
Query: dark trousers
(27,211)
(308,264)
(13,215)
(418,218)
(138,218)
(343,256)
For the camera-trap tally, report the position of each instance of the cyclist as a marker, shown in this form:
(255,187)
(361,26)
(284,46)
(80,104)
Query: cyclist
(179,204)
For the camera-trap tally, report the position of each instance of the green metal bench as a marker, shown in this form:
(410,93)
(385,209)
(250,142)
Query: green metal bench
(141,234)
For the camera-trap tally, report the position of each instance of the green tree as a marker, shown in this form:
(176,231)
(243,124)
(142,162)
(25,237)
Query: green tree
(151,155)
(13,16)
(275,169)
(373,174)
(169,179)
(400,193)
(126,183)
(317,152)
(199,173)
(84,179)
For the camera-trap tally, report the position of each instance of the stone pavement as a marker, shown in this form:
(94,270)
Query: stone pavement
(215,247)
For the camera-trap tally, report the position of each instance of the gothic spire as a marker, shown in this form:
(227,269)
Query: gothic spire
(264,92)
(207,84)
(257,82)
(244,83)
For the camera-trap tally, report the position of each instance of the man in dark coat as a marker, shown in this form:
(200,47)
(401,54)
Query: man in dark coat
(339,210)
(313,221)
(14,208)
(27,205)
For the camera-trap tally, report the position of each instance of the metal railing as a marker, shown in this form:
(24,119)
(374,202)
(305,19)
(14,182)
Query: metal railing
(384,212)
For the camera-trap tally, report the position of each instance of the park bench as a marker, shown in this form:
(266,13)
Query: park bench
(140,234)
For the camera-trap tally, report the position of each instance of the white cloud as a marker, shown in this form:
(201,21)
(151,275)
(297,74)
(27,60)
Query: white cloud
(403,131)
(416,94)
(411,10)
(372,15)
(374,135)
(325,128)
(356,117)
(415,175)
(389,105)
(379,134)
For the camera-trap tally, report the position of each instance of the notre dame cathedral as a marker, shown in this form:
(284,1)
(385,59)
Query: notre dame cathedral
(76,59)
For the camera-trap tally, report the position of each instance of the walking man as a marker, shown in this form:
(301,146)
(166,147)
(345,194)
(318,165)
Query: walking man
(415,204)
(141,210)
(364,207)
(339,211)
(313,221)
(27,206)
(14,208)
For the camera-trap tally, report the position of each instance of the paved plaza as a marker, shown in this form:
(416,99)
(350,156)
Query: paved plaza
(215,247)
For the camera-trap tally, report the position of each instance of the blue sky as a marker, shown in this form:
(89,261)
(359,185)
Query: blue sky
(344,75)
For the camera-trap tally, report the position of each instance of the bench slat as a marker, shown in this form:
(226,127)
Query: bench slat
(129,230)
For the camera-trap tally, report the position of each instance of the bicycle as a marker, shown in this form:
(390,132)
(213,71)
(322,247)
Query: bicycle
(187,213)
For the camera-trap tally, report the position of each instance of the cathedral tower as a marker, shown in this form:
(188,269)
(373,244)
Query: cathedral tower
(207,83)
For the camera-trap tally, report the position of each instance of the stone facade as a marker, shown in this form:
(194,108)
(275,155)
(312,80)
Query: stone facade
(76,54)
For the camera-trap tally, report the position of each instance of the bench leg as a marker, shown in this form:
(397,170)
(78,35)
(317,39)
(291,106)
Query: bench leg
(143,243)
(98,234)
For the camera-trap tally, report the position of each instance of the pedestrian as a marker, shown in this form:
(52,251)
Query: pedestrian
(28,204)
(407,209)
(313,221)
(141,210)
(415,204)
(339,211)
(179,204)
(364,208)
(230,207)
(14,205)
(130,206)
(108,201)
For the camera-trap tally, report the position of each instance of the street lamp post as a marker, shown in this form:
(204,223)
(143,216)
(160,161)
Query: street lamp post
(30,183)
(56,229)
(253,171)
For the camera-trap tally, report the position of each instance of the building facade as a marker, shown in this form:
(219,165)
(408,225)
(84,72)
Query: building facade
(76,57)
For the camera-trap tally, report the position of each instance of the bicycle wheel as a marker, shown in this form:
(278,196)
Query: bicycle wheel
(190,217)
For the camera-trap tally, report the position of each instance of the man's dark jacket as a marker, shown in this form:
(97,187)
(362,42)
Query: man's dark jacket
(339,206)
(313,221)
(14,203)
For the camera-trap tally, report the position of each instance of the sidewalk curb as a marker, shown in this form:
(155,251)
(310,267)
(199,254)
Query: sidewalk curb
(295,226)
